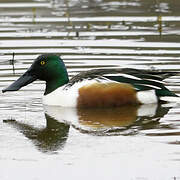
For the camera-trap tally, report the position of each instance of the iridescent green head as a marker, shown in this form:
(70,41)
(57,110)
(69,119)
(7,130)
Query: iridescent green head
(47,67)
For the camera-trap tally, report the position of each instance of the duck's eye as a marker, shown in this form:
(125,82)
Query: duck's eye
(42,63)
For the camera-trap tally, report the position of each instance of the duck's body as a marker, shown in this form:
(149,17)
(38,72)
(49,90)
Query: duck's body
(92,93)
(94,88)
(109,87)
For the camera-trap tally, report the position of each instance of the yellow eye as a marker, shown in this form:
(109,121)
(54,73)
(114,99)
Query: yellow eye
(43,63)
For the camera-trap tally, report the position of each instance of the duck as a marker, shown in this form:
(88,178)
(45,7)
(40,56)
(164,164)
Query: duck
(105,87)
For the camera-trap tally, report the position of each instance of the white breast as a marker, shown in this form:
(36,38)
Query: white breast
(65,97)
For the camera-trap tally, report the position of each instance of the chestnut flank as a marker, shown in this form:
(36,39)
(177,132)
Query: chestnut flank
(106,95)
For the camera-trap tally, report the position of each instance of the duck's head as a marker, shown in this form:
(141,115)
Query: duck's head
(46,67)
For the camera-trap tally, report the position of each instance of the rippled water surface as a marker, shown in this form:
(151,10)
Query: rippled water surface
(121,143)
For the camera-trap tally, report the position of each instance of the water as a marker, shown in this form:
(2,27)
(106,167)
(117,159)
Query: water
(140,143)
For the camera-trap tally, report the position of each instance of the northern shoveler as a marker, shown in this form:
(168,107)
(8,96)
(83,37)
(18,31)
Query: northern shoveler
(94,88)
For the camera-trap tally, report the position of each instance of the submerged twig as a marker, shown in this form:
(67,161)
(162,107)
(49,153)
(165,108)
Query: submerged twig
(34,15)
(159,19)
(12,62)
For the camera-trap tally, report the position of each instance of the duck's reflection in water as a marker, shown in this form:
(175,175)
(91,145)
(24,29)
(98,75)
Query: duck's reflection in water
(110,121)
(49,139)
(109,117)
(126,120)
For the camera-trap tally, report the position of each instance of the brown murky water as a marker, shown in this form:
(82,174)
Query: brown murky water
(139,143)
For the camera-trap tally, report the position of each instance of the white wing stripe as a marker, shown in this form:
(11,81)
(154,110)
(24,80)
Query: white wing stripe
(123,75)
(148,85)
